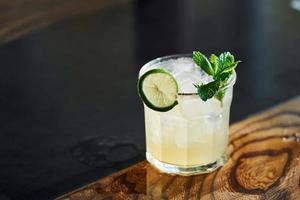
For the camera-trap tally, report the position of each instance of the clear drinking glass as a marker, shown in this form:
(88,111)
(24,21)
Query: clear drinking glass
(192,137)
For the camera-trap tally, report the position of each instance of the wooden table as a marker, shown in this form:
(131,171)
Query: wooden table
(264,164)
(21,17)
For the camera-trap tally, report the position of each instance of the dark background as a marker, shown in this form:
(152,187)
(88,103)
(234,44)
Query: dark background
(70,113)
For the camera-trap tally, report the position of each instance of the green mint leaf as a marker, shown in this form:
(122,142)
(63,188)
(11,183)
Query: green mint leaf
(226,59)
(224,76)
(214,60)
(207,91)
(203,62)
(230,66)
(220,68)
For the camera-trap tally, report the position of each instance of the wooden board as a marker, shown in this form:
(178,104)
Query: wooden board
(20,17)
(264,164)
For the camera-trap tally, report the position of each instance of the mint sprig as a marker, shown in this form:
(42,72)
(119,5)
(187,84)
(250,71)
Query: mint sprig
(220,68)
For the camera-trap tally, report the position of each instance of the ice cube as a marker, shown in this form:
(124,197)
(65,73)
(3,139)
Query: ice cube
(191,107)
(186,80)
(185,71)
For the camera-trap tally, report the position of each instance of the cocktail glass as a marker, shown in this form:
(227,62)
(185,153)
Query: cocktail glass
(192,137)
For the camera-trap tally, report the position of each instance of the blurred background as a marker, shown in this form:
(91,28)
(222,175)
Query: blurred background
(70,113)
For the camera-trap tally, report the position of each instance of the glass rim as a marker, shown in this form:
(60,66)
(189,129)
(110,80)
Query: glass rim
(232,79)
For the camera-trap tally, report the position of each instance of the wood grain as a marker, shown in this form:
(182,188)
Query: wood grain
(20,17)
(264,164)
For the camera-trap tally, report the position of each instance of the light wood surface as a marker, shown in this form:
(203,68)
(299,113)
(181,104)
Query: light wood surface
(264,164)
(20,17)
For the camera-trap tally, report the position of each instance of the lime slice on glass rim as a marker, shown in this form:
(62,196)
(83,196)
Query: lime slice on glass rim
(158,89)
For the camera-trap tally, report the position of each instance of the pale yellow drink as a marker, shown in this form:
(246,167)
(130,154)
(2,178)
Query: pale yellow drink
(192,137)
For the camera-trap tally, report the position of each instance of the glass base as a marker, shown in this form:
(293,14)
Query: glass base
(188,170)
